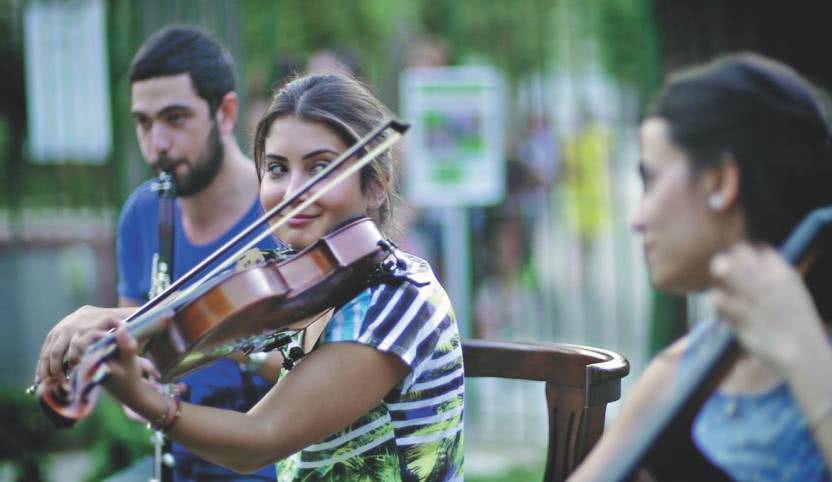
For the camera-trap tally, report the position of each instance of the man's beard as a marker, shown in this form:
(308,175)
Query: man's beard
(202,171)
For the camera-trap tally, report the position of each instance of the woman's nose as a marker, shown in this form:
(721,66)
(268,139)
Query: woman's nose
(637,217)
(297,181)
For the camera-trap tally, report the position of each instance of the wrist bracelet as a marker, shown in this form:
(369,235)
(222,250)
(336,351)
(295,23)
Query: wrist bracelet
(159,421)
(174,416)
(170,414)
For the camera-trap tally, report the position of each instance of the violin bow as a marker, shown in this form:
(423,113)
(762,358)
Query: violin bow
(398,129)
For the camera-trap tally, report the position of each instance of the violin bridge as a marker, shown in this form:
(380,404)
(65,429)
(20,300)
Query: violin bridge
(250,259)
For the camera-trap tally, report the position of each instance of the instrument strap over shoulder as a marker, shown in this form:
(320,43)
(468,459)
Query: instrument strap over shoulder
(162,270)
(161,277)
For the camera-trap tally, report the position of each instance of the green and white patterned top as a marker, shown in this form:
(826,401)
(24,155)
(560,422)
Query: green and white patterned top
(415,434)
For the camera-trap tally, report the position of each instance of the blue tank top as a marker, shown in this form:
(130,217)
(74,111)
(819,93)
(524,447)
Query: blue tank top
(754,437)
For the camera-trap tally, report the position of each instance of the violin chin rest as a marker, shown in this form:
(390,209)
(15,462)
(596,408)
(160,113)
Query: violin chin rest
(58,420)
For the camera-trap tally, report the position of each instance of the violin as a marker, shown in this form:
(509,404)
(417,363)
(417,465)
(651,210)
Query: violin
(237,309)
(664,445)
(225,311)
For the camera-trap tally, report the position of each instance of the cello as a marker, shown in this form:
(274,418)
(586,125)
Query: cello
(665,439)
(224,311)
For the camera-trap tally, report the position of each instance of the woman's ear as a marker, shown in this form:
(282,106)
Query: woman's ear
(722,184)
(227,111)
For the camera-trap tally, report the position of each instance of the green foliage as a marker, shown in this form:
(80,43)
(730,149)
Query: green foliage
(117,442)
(273,31)
(515,35)
(521,37)
(628,43)
(24,428)
(27,436)
(515,473)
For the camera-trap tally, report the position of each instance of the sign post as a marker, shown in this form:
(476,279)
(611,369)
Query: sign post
(455,158)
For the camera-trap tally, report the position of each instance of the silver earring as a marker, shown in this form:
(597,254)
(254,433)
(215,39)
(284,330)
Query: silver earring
(715,201)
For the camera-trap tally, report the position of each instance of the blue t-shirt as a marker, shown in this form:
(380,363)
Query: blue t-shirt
(761,437)
(222,384)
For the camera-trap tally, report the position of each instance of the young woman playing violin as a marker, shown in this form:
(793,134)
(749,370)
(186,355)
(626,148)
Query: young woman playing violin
(734,154)
(380,397)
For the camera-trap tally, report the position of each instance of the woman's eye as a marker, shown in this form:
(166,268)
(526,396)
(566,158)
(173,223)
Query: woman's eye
(276,169)
(320,166)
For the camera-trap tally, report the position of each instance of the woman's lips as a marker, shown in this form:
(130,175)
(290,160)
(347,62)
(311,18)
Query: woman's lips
(301,220)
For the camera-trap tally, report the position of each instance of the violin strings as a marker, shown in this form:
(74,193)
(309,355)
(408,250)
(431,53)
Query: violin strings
(135,322)
(351,151)
(361,162)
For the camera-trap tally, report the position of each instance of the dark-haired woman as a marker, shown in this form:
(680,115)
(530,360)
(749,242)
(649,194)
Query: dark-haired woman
(734,154)
(381,395)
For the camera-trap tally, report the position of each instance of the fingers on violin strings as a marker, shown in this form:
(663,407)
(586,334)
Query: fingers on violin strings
(53,356)
(127,346)
(149,369)
(113,324)
(79,343)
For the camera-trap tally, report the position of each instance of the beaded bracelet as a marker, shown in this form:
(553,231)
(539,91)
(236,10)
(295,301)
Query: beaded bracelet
(159,421)
(169,416)
(174,417)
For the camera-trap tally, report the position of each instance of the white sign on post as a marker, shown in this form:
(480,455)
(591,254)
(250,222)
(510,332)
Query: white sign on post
(67,81)
(455,151)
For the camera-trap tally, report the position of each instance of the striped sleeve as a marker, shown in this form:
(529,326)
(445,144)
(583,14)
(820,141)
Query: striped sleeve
(402,318)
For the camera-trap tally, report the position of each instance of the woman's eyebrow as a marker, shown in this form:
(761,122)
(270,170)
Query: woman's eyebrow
(320,151)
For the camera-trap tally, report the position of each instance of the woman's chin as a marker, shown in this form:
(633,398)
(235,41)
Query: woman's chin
(666,284)
(677,285)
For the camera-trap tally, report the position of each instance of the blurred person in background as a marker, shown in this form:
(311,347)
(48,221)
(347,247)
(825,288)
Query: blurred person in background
(334,61)
(586,183)
(184,107)
(428,51)
(539,150)
(262,85)
(507,302)
(734,154)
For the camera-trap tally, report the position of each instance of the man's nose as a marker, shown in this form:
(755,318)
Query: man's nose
(160,141)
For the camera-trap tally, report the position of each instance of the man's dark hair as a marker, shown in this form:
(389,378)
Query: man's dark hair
(187,50)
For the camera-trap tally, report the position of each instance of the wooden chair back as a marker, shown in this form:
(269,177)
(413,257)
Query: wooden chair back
(580,382)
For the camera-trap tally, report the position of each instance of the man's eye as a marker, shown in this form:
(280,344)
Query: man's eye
(176,119)
(142,122)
